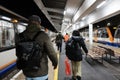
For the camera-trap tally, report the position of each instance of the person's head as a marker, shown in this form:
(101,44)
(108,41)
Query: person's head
(76,33)
(34,20)
(66,33)
(59,33)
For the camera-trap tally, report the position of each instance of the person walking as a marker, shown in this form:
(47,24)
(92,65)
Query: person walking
(58,41)
(76,54)
(66,37)
(34,26)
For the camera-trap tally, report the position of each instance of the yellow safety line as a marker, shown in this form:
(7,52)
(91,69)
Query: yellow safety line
(56,70)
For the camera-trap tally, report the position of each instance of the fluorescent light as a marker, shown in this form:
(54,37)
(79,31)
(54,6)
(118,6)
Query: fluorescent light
(62,20)
(6,18)
(25,24)
(83,18)
(64,12)
(101,4)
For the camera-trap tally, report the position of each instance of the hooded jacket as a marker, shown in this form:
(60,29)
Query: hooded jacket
(77,56)
(48,51)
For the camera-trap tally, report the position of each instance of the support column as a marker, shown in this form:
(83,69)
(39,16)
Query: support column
(90,35)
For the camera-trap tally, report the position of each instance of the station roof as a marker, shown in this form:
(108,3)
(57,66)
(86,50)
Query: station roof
(24,8)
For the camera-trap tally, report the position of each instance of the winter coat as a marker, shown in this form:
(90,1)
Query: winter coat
(59,38)
(48,51)
(77,56)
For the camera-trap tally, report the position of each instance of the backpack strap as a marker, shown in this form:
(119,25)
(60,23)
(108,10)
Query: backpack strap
(36,35)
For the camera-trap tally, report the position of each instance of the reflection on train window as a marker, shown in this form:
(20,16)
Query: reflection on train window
(117,33)
(6,34)
(20,28)
(102,33)
(86,34)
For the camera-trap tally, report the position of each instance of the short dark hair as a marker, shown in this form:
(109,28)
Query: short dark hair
(76,33)
(34,18)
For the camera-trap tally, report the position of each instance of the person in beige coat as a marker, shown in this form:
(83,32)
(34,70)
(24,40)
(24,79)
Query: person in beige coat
(48,50)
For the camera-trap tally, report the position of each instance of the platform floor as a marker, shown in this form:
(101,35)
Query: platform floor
(51,75)
(91,70)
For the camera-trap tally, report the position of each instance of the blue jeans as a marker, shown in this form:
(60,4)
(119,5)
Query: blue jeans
(38,78)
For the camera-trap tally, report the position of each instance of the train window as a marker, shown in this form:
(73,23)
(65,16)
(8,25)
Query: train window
(21,28)
(117,33)
(102,33)
(6,34)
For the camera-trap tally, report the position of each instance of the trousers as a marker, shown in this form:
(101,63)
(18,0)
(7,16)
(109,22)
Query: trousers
(76,68)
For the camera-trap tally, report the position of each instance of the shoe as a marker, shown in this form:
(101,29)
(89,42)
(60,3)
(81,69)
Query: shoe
(78,78)
(74,78)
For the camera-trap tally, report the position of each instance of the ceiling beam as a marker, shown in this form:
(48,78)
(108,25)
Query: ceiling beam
(71,7)
(13,13)
(87,7)
(58,21)
(55,10)
(57,17)
(41,6)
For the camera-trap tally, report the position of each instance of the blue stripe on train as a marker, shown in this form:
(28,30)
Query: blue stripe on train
(109,43)
(2,72)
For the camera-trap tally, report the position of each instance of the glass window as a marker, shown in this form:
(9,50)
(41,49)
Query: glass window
(102,33)
(6,34)
(20,28)
(117,33)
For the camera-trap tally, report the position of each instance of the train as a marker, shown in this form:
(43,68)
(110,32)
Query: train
(7,46)
(108,35)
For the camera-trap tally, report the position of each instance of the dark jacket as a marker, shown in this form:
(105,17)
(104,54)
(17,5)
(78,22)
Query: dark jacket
(48,51)
(77,56)
(58,39)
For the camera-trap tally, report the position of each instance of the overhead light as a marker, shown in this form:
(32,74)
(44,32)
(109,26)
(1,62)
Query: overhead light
(114,27)
(83,18)
(14,21)
(98,26)
(108,24)
(25,24)
(62,20)
(64,12)
(6,18)
(101,4)
(70,24)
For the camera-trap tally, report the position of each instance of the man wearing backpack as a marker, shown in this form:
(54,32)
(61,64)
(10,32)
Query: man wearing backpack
(74,53)
(47,50)
(58,41)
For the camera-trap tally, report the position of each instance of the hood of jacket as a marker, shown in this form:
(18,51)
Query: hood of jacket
(33,28)
(76,38)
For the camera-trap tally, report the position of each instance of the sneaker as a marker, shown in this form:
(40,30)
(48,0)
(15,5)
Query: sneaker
(74,78)
(78,78)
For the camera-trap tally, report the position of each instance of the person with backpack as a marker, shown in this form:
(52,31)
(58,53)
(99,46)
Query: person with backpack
(34,60)
(58,41)
(74,53)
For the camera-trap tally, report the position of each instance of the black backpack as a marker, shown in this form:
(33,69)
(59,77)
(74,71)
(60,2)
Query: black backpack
(59,39)
(71,48)
(28,53)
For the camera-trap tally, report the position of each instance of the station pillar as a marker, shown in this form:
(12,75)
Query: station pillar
(90,35)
